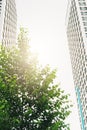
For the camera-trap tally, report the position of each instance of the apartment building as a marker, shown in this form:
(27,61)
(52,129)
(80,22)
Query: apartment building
(8,22)
(76,24)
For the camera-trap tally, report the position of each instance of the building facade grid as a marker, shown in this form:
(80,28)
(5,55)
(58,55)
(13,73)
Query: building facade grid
(78,54)
(9,22)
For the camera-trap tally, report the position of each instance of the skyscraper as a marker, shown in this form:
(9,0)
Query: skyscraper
(76,24)
(8,22)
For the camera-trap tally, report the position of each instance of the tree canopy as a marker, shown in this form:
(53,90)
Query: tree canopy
(29,97)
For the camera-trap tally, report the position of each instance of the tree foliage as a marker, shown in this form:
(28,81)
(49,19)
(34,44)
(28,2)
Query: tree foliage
(29,97)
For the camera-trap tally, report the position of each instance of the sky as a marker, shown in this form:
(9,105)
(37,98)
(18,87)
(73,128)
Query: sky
(45,20)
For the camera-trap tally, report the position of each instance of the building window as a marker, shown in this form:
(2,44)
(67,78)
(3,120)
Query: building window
(85,23)
(84,18)
(83,8)
(82,3)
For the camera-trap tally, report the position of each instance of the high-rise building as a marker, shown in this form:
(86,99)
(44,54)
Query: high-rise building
(8,22)
(76,24)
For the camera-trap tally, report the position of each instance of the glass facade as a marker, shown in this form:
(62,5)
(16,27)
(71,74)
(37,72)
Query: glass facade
(0,6)
(80,107)
(8,9)
(76,29)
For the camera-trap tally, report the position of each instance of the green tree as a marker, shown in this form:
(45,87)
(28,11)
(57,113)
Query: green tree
(29,97)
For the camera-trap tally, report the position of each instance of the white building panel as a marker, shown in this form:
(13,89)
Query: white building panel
(76,24)
(8,22)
